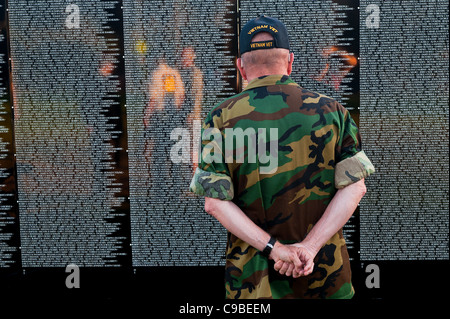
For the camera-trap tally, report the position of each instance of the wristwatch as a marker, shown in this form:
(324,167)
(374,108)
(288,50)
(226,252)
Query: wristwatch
(269,246)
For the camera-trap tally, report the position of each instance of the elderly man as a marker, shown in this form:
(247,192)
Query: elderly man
(284,223)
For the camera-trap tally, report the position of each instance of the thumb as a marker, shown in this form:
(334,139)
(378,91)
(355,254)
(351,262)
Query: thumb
(298,264)
(308,261)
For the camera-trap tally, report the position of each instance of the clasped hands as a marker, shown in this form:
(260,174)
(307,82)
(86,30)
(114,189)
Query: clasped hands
(293,260)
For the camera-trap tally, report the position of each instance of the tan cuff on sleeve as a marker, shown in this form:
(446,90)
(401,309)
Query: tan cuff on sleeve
(352,169)
(214,185)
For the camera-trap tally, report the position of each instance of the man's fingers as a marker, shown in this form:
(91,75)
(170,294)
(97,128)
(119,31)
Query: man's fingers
(308,262)
(277,266)
(284,268)
(289,270)
(308,267)
(298,263)
(297,274)
(295,261)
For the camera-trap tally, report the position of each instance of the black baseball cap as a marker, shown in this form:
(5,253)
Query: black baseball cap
(263,24)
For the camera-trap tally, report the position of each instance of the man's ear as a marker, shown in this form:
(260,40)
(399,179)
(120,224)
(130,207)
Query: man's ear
(240,66)
(290,61)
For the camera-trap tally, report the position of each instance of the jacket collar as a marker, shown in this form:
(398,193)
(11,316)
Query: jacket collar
(267,80)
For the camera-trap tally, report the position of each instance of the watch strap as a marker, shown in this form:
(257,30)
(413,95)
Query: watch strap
(269,246)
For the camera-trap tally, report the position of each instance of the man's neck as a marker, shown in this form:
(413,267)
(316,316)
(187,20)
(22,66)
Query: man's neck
(259,74)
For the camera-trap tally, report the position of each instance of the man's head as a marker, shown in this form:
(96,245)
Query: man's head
(264,48)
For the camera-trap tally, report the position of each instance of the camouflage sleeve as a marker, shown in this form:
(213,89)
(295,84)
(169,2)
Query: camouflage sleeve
(349,138)
(211,184)
(212,177)
(352,163)
(352,169)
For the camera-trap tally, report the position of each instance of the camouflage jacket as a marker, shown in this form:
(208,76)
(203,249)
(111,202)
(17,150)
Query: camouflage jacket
(291,149)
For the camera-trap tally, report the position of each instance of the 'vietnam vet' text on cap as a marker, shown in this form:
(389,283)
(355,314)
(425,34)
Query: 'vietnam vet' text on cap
(263,24)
